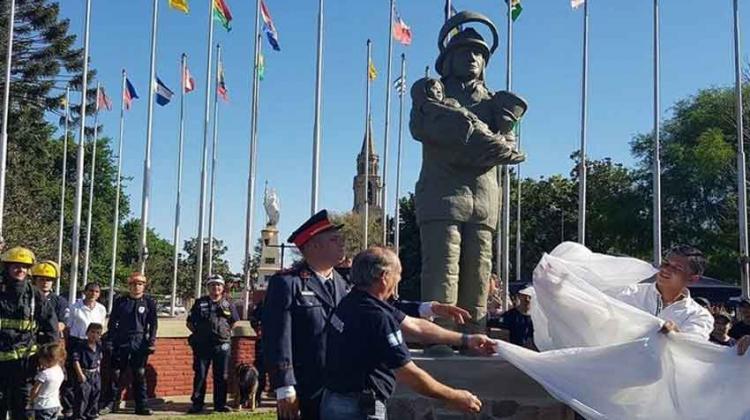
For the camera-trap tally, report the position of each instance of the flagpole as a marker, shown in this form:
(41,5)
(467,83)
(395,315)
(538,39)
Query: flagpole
(6,109)
(60,233)
(397,211)
(503,174)
(249,211)
(584,117)
(147,159)
(368,133)
(741,176)
(318,99)
(657,154)
(384,192)
(180,153)
(76,236)
(92,176)
(204,159)
(116,216)
(214,153)
(518,211)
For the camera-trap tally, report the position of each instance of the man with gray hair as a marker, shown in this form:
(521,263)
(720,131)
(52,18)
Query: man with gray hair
(366,353)
(668,297)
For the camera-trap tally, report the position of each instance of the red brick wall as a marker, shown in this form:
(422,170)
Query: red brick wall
(170,369)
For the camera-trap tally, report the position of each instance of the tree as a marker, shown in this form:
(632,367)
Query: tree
(410,250)
(189,264)
(353,233)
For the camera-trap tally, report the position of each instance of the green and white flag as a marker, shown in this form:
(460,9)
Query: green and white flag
(515,9)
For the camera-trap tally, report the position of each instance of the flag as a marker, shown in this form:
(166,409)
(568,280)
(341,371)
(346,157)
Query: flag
(221,88)
(400,85)
(181,5)
(261,66)
(515,9)
(372,72)
(268,27)
(188,83)
(163,93)
(102,101)
(577,3)
(401,31)
(223,14)
(128,94)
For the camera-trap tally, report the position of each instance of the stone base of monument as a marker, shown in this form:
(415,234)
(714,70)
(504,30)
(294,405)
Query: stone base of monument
(506,392)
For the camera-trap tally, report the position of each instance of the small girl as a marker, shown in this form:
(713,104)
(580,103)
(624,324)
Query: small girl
(45,393)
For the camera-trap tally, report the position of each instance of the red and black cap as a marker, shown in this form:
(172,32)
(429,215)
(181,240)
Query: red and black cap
(315,225)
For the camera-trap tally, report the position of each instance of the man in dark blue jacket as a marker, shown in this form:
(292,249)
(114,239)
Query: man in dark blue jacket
(298,304)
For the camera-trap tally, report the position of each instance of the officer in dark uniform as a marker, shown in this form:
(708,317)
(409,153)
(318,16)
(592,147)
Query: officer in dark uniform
(26,321)
(297,306)
(132,332)
(211,320)
(366,347)
(44,274)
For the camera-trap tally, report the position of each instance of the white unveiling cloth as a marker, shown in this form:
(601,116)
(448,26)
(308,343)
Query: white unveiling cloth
(607,360)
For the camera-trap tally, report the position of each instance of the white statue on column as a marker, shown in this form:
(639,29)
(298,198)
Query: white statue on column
(271,203)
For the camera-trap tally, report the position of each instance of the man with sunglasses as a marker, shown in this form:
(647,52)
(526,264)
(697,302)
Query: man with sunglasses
(668,297)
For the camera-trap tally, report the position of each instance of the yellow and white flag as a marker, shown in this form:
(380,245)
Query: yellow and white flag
(372,72)
(577,3)
(181,5)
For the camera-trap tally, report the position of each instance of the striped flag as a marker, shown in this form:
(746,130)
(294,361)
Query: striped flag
(576,3)
(261,66)
(372,72)
(188,83)
(221,88)
(268,27)
(223,14)
(163,93)
(400,85)
(181,5)
(401,31)
(102,101)
(128,94)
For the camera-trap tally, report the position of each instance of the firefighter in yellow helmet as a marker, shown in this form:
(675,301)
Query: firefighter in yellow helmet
(45,273)
(27,320)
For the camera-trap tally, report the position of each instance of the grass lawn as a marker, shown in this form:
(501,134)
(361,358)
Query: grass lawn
(268,415)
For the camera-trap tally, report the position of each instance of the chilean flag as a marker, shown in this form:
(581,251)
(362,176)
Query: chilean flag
(401,31)
(129,94)
(268,27)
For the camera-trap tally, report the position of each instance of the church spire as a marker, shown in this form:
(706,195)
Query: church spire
(368,138)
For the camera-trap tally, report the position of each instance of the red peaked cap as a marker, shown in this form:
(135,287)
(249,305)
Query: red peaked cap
(315,225)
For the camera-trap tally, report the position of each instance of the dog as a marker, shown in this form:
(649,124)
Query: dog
(247,386)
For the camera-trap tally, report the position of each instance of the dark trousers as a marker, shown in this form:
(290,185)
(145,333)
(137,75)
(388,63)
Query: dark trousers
(15,387)
(203,357)
(87,397)
(47,414)
(310,407)
(133,355)
(68,388)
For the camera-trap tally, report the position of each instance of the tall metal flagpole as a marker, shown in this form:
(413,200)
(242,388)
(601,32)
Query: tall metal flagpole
(204,159)
(316,127)
(584,117)
(143,254)
(116,216)
(741,176)
(92,182)
(397,211)
(657,154)
(503,173)
(180,152)
(6,109)
(64,176)
(384,199)
(251,165)
(368,133)
(518,211)
(214,158)
(76,236)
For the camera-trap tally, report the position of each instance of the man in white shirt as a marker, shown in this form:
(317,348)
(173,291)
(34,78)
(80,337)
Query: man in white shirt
(668,297)
(86,311)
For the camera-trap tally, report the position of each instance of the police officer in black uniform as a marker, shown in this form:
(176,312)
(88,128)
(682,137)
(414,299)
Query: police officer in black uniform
(132,332)
(27,320)
(366,349)
(211,320)
(297,306)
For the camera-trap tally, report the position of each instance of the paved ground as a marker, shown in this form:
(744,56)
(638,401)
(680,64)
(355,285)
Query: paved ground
(177,406)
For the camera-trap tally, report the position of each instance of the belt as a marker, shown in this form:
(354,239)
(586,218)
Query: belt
(90,370)
(18,353)
(17,324)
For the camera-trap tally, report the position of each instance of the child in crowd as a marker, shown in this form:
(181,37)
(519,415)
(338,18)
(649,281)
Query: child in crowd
(87,357)
(45,393)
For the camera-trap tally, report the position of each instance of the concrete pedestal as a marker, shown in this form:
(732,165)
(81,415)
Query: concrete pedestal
(506,392)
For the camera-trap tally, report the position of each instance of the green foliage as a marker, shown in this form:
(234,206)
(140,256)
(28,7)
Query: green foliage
(354,234)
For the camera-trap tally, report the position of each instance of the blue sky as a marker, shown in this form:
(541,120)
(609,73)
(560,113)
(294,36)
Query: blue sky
(696,53)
